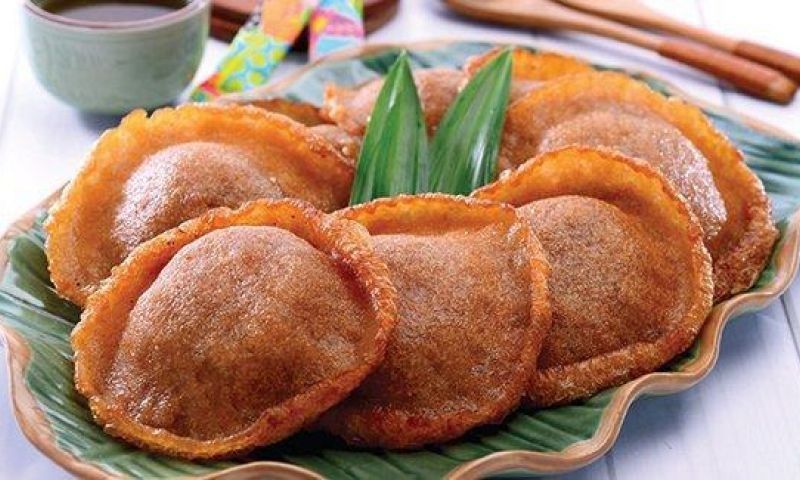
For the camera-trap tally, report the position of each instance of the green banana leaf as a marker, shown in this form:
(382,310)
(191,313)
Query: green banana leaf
(29,305)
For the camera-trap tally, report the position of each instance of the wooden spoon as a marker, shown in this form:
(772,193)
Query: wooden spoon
(750,77)
(633,12)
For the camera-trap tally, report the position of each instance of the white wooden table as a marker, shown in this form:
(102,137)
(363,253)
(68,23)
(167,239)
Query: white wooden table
(742,421)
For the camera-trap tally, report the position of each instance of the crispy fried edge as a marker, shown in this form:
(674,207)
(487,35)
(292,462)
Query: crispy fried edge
(738,259)
(606,175)
(337,99)
(429,214)
(301,112)
(529,65)
(348,145)
(335,106)
(67,272)
(96,338)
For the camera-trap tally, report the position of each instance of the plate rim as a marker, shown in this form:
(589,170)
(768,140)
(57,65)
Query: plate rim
(34,424)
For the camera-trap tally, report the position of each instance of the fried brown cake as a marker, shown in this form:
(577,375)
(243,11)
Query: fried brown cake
(234,330)
(472,312)
(613,110)
(631,279)
(350,108)
(150,174)
(301,112)
(348,145)
(309,115)
(529,68)
(622,125)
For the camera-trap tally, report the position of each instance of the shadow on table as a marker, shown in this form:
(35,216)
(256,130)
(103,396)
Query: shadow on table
(99,122)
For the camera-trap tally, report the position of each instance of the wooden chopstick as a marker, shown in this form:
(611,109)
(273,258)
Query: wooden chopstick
(753,78)
(640,15)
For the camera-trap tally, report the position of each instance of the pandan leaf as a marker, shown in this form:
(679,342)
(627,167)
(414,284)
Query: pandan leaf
(463,153)
(393,157)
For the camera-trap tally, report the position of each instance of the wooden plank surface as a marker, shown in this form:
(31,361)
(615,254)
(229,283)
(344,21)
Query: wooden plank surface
(778,29)
(740,422)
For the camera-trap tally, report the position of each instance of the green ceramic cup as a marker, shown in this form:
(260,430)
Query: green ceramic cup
(112,68)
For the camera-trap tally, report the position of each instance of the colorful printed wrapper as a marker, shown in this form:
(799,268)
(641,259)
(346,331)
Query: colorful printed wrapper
(263,42)
(258,48)
(335,25)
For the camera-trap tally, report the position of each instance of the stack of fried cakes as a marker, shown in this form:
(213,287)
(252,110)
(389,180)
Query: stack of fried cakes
(230,299)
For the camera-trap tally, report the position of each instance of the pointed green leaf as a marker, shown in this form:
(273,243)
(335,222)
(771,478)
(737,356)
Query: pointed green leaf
(464,151)
(393,157)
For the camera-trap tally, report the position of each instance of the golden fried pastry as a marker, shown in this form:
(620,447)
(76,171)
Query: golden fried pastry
(350,108)
(631,279)
(472,312)
(613,110)
(599,115)
(234,330)
(150,174)
(529,68)
(309,115)
(348,145)
(301,112)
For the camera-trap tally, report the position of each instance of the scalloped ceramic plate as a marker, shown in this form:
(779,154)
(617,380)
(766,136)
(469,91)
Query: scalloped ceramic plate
(37,324)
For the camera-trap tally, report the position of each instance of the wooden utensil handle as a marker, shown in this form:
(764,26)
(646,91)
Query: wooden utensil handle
(748,76)
(785,62)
